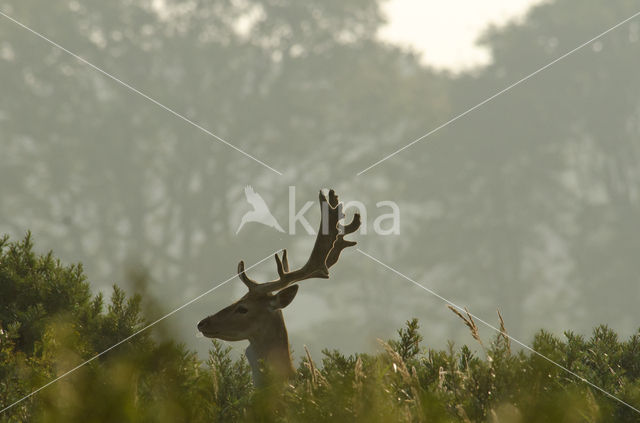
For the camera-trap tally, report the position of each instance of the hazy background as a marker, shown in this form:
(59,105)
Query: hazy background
(529,204)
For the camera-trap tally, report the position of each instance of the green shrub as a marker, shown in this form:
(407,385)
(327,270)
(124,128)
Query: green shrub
(50,323)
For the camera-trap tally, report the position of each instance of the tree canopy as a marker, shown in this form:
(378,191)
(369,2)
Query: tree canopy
(529,199)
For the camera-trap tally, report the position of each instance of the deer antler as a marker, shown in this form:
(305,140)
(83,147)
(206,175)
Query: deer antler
(329,244)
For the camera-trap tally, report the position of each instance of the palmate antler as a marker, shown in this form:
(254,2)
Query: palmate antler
(329,244)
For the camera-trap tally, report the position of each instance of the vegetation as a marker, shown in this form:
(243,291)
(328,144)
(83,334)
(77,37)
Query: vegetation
(534,194)
(51,323)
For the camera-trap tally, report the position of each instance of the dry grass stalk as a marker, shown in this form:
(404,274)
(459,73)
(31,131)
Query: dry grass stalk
(442,373)
(468,320)
(312,368)
(398,362)
(358,373)
(410,379)
(503,332)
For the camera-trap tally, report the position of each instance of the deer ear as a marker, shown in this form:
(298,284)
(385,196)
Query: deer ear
(284,297)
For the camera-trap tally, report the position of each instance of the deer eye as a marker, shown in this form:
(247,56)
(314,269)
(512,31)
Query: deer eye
(241,309)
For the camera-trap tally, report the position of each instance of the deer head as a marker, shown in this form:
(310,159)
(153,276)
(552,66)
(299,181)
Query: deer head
(257,316)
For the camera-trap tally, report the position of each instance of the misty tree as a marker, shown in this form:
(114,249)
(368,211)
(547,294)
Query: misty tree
(528,203)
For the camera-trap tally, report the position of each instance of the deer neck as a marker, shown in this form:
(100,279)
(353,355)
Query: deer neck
(270,348)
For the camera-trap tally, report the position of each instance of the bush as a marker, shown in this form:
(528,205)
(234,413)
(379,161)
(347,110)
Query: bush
(50,323)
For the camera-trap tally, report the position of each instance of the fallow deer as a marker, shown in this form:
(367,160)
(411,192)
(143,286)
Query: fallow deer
(257,316)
